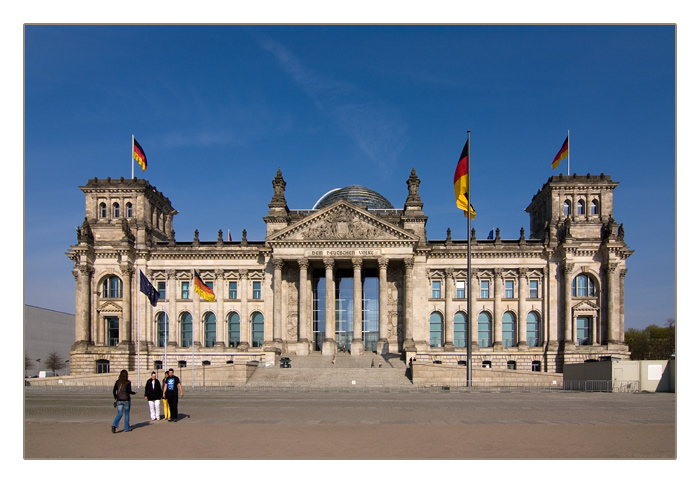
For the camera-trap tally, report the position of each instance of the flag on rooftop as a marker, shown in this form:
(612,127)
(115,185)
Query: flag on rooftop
(140,155)
(562,154)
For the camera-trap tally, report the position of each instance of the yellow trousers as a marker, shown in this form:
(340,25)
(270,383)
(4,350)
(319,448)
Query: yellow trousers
(166,409)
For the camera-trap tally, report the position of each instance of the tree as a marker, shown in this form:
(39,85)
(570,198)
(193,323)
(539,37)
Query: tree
(27,363)
(652,343)
(55,362)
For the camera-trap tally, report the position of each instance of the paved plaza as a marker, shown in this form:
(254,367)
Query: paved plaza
(240,425)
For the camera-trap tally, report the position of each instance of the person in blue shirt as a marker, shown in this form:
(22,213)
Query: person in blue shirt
(170,390)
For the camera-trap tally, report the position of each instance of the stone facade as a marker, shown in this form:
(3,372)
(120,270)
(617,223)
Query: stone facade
(368,270)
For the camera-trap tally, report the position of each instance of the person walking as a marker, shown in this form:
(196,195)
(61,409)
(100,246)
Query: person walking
(166,406)
(172,386)
(152,394)
(122,400)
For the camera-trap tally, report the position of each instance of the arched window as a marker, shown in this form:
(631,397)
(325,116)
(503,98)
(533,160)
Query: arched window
(533,329)
(508,329)
(162,328)
(234,329)
(436,329)
(185,330)
(582,286)
(209,329)
(460,325)
(115,210)
(112,287)
(594,207)
(129,210)
(580,207)
(484,329)
(103,210)
(567,208)
(258,332)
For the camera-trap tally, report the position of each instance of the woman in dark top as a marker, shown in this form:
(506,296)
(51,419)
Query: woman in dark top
(122,396)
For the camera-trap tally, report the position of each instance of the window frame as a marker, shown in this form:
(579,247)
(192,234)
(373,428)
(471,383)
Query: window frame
(185,321)
(234,341)
(233,290)
(512,340)
(435,293)
(436,330)
(185,293)
(257,290)
(209,333)
(536,289)
(460,293)
(509,292)
(486,290)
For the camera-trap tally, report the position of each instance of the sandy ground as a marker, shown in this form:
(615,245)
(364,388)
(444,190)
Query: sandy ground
(63,424)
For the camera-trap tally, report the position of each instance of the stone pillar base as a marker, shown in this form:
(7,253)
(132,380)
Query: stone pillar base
(329,347)
(382,347)
(303,347)
(449,347)
(357,348)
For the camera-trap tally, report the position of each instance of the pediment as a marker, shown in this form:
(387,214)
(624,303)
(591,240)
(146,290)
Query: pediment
(342,222)
(586,306)
(109,308)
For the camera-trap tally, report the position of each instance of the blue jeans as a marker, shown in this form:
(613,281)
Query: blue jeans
(123,408)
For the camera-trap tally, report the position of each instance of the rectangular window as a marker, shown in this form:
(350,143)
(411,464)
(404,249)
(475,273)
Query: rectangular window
(185,290)
(534,289)
(161,290)
(233,290)
(583,330)
(257,292)
(510,289)
(436,289)
(461,289)
(484,289)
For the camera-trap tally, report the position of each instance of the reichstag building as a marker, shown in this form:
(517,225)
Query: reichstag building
(353,273)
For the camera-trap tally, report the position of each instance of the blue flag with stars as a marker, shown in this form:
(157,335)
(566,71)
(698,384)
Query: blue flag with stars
(149,290)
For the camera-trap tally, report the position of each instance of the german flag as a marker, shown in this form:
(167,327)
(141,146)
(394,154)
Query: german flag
(202,289)
(140,155)
(461,182)
(562,154)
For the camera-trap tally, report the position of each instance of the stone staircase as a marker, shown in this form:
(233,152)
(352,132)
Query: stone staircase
(320,372)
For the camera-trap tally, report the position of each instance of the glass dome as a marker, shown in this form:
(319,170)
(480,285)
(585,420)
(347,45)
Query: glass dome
(355,194)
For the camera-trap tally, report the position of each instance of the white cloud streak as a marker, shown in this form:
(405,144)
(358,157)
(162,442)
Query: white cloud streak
(377,129)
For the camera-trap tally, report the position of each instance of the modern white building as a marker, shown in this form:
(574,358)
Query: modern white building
(357,265)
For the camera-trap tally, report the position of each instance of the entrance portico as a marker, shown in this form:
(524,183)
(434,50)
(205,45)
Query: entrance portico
(337,261)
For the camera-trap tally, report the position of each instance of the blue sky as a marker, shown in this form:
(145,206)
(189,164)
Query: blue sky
(218,109)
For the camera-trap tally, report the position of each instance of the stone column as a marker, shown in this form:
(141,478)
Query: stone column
(278,263)
(245,322)
(329,347)
(408,342)
(83,295)
(383,343)
(473,316)
(621,325)
(449,315)
(522,316)
(171,313)
(357,347)
(125,327)
(219,290)
(303,322)
(568,323)
(497,316)
(611,276)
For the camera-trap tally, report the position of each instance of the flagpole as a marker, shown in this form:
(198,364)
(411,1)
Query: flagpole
(132,156)
(568,157)
(192,333)
(469,265)
(138,337)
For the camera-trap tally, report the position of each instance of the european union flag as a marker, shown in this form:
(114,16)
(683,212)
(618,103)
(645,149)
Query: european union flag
(149,290)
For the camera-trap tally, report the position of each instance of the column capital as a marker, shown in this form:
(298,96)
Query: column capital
(278,263)
(329,263)
(449,273)
(303,263)
(383,262)
(408,262)
(243,273)
(357,263)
